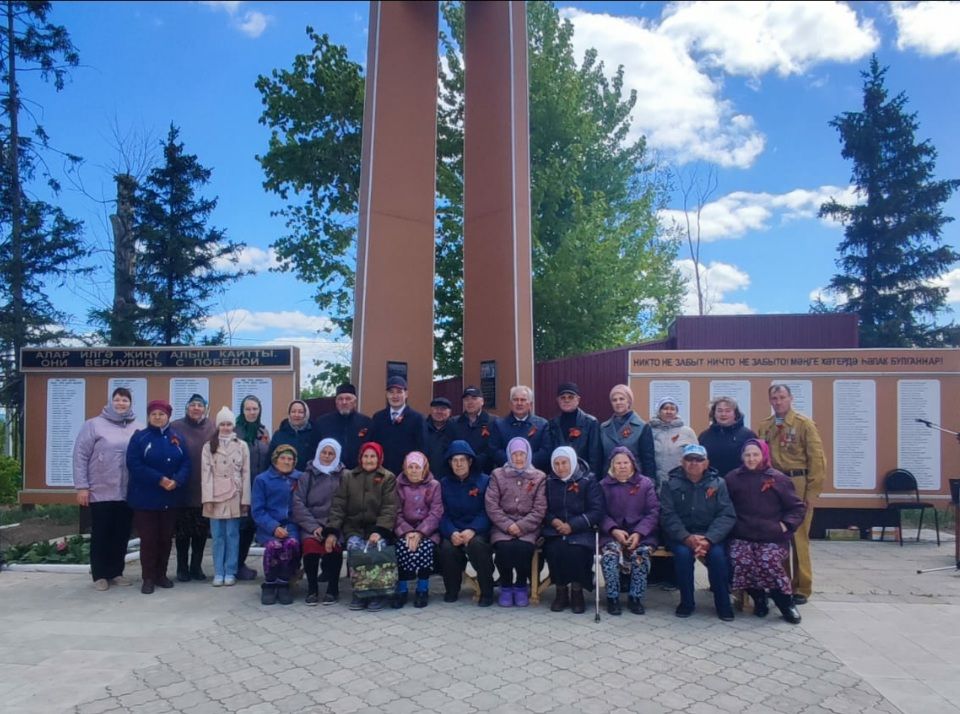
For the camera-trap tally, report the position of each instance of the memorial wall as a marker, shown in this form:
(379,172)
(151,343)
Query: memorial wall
(866,403)
(65,387)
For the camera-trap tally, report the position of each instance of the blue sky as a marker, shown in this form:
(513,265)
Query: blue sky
(745,88)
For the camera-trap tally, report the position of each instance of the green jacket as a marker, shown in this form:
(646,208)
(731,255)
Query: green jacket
(365,503)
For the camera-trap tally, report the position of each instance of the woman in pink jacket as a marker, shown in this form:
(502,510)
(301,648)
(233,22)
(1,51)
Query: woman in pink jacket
(419,510)
(516,503)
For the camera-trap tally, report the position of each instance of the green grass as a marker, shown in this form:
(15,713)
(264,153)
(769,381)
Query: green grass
(60,514)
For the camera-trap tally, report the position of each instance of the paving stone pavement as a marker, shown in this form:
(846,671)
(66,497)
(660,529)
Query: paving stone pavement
(197,650)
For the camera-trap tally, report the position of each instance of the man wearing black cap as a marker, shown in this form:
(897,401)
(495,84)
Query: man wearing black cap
(438,435)
(575,428)
(473,426)
(398,428)
(345,424)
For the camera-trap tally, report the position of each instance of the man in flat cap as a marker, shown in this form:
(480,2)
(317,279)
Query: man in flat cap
(438,434)
(575,428)
(473,426)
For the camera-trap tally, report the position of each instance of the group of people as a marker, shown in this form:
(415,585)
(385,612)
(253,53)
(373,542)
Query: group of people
(444,492)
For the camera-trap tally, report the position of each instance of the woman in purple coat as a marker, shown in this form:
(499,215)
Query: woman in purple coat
(629,530)
(768,513)
(516,502)
(419,510)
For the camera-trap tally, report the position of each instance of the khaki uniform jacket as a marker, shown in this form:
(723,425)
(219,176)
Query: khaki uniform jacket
(796,446)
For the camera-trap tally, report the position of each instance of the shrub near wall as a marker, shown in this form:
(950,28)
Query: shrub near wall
(10,480)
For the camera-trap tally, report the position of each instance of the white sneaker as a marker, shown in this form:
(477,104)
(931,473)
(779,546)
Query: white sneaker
(217,581)
(230,580)
(101,584)
(120,580)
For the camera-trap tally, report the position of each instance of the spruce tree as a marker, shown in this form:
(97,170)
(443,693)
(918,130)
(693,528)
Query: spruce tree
(178,269)
(892,249)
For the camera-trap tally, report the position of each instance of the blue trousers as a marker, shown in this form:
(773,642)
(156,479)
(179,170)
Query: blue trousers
(226,545)
(718,569)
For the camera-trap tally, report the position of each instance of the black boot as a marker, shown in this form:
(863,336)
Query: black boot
(268,594)
(760,607)
(183,559)
(786,606)
(283,594)
(577,604)
(197,544)
(562,600)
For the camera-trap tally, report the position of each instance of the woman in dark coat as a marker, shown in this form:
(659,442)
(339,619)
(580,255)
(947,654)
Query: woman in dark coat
(299,432)
(574,511)
(251,430)
(726,435)
(768,513)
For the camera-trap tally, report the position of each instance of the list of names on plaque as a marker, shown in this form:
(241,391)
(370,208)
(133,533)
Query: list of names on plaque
(918,446)
(855,434)
(65,406)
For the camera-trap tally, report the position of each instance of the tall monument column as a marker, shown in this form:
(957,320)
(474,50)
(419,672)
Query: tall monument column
(497,261)
(393,311)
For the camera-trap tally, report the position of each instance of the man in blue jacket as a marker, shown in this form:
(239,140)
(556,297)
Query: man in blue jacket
(575,428)
(521,421)
(398,428)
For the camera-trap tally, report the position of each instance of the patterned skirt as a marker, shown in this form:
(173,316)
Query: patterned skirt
(759,566)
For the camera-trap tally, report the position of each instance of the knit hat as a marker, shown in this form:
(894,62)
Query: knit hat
(225,416)
(667,400)
(159,405)
(625,391)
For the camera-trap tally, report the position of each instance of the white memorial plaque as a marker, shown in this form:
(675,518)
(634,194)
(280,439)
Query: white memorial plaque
(918,446)
(182,388)
(802,391)
(855,434)
(138,388)
(262,389)
(739,389)
(678,389)
(66,399)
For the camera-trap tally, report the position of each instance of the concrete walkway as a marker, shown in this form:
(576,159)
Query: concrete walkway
(876,637)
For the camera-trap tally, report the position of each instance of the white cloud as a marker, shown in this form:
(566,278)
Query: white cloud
(244,321)
(678,108)
(312,349)
(249,258)
(737,213)
(718,279)
(930,28)
(828,297)
(951,281)
(252,23)
(759,37)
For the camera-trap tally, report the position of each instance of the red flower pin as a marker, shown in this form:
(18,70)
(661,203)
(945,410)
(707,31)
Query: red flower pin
(484,432)
(711,491)
(674,437)
(377,480)
(533,430)
(767,485)
(530,487)
(574,488)
(473,492)
(634,491)
(175,441)
(627,431)
(362,433)
(574,433)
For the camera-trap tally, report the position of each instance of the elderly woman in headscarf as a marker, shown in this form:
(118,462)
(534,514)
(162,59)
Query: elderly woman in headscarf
(312,500)
(626,428)
(277,532)
(419,510)
(364,510)
(670,435)
(769,511)
(574,510)
(253,432)
(298,431)
(516,503)
(629,530)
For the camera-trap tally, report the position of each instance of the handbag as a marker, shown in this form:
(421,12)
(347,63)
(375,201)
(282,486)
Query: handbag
(373,570)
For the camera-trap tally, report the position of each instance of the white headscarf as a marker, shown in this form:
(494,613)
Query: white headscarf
(569,453)
(335,464)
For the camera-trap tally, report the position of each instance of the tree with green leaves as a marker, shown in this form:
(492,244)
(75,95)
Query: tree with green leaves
(39,245)
(180,265)
(602,275)
(892,250)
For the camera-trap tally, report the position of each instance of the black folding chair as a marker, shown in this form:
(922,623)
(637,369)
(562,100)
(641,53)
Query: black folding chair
(900,482)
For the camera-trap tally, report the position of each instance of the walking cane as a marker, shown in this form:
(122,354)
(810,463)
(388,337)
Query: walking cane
(934,570)
(596,577)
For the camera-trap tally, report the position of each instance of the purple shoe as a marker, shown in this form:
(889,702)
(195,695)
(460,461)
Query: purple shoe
(246,573)
(506,597)
(520,597)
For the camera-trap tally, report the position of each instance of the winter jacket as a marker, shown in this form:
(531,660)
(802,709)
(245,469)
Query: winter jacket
(195,435)
(313,498)
(702,508)
(631,506)
(350,432)
(272,504)
(153,454)
(397,440)
(634,433)
(577,502)
(225,479)
(419,508)
(435,444)
(100,455)
(515,497)
(763,500)
(304,440)
(669,440)
(463,504)
(478,435)
(583,437)
(723,444)
(532,428)
(364,503)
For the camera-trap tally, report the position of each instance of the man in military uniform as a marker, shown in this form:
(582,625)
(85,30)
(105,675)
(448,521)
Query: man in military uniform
(797,451)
